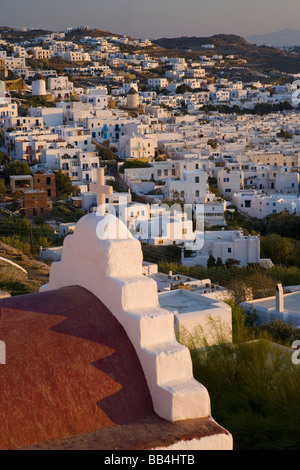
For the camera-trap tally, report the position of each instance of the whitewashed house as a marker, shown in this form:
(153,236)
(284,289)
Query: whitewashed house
(226,244)
(136,146)
(230,182)
(191,189)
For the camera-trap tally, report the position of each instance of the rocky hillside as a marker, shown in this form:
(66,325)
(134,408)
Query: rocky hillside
(263,57)
(15,281)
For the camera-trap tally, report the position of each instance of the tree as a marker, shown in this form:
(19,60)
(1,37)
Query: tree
(16,168)
(2,187)
(134,164)
(211,262)
(2,156)
(284,224)
(63,184)
(213,143)
(277,248)
(106,154)
(184,88)
(230,262)
(284,134)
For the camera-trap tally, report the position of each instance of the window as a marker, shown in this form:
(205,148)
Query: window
(197,193)
(229,250)
(197,179)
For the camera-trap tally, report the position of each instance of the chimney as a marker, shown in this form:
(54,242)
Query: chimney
(279,299)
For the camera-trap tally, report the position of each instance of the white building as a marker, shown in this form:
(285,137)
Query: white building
(136,146)
(195,313)
(227,244)
(191,189)
(60,83)
(165,227)
(159,83)
(28,145)
(11,63)
(52,117)
(41,53)
(230,182)
(79,165)
(283,307)
(261,205)
(133,300)
(97,97)
(23,123)
(287,181)
(7,109)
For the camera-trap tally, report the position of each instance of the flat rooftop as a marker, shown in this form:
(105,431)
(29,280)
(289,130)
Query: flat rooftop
(181,301)
(164,282)
(291,302)
(21,177)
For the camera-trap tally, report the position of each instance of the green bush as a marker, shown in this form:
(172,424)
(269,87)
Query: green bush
(14,287)
(253,386)
(28,238)
(133,163)
(279,331)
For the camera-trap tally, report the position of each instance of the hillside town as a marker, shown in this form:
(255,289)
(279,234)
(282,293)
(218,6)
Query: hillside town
(161,125)
(188,160)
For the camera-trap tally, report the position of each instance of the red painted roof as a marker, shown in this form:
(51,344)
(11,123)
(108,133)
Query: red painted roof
(72,379)
(70,368)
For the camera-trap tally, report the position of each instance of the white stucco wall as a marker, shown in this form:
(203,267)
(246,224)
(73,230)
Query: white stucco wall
(212,317)
(111,268)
